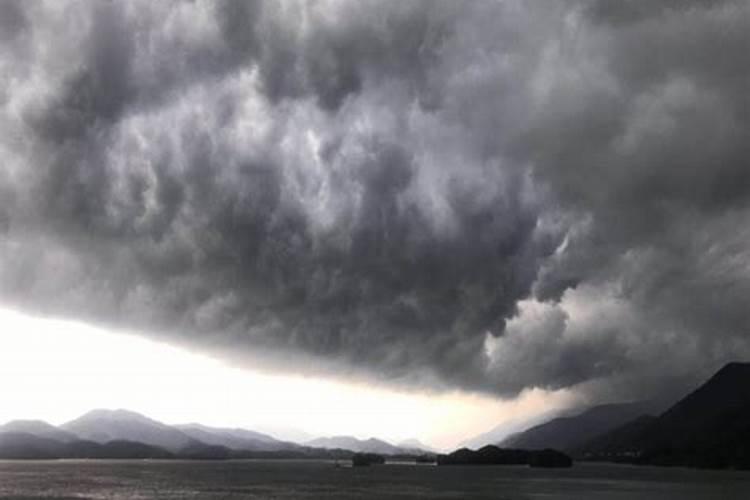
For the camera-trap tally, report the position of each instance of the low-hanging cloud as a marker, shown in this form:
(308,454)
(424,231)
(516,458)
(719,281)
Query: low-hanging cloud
(490,196)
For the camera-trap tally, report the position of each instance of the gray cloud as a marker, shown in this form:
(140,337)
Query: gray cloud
(490,196)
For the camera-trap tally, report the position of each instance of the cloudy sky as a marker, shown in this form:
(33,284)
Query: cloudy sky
(488,201)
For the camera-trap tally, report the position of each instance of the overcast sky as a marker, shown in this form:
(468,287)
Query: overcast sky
(485,197)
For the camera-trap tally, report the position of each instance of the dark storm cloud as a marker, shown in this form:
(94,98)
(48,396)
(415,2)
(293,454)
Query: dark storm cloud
(487,195)
(12,20)
(653,154)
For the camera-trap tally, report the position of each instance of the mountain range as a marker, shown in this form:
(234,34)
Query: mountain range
(568,432)
(416,444)
(126,434)
(508,428)
(102,426)
(39,429)
(371,445)
(237,439)
(710,427)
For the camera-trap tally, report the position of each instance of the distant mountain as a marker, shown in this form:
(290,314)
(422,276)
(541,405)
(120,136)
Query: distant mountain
(417,445)
(38,428)
(24,445)
(502,431)
(235,439)
(234,432)
(708,428)
(102,426)
(119,448)
(569,433)
(19,445)
(285,433)
(371,445)
(125,434)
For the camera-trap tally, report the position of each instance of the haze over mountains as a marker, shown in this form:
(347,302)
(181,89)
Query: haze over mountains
(508,428)
(371,445)
(238,439)
(565,433)
(38,428)
(125,434)
(102,426)
(415,444)
(710,427)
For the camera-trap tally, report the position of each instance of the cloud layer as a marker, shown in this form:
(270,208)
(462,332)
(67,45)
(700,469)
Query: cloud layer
(490,196)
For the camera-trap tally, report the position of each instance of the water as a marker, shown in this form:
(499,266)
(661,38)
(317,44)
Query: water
(258,479)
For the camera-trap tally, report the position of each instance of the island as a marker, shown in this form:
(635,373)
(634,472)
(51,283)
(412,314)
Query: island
(493,455)
(367,459)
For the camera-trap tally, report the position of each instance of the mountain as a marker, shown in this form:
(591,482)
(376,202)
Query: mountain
(371,445)
(616,445)
(710,427)
(20,445)
(235,439)
(500,432)
(25,445)
(569,433)
(416,445)
(234,432)
(285,433)
(125,434)
(118,448)
(38,428)
(17,445)
(102,426)
(726,393)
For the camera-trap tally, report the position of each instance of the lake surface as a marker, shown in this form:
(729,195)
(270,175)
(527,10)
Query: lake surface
(102,479)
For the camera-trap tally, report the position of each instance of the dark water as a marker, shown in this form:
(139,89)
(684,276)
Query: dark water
(310,479)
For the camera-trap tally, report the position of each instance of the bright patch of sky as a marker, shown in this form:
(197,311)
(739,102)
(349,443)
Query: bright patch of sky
(56,370)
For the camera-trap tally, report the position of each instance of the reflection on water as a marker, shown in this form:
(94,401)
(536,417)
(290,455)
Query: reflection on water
(319,479)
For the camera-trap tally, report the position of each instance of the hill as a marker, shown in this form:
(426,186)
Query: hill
(616,445)
(371,445)
(126,434)
(19,445)
(569,433)
(38,428)
(710,427)
(235,439)
(416,445)
(506,429)
(102,426)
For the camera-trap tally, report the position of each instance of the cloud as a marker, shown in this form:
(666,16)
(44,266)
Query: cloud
(489,196)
